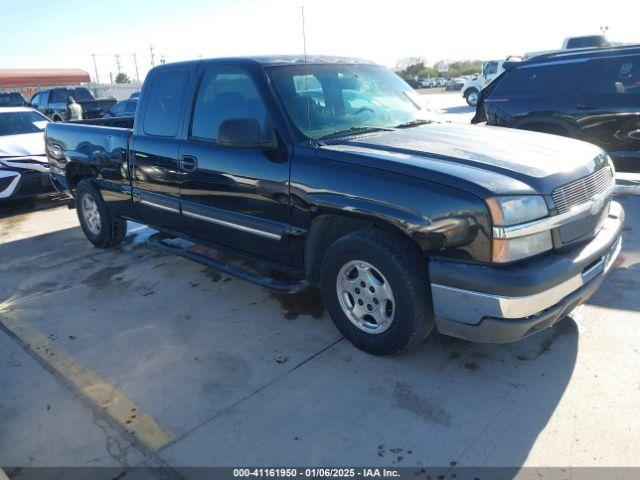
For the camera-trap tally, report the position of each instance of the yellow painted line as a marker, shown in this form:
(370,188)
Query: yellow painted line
(92,387)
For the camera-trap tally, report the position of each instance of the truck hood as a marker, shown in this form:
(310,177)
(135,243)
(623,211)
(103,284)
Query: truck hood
(487,160)
(25,145)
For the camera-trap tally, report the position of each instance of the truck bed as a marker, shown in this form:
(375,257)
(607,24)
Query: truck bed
(120,122)
(87,141)
(94,148)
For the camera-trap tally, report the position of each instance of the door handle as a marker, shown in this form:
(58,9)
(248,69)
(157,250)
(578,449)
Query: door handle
(188,163)
(586,106)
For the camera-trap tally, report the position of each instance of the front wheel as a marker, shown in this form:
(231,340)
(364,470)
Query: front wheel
(472,97)
(100,226)
(376,290)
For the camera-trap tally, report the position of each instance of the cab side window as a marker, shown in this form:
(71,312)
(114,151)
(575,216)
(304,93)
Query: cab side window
(225,93)
(35,100)
(164,103)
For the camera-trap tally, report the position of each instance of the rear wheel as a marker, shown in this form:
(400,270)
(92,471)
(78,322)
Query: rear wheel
(376,290)
(100,226)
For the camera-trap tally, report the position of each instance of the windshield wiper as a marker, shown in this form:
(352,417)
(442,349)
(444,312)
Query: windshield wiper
(414,123)
(358,129)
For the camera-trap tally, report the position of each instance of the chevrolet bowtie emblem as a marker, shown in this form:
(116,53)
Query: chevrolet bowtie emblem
(596,205)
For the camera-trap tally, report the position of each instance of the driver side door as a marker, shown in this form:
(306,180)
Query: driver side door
(236,197)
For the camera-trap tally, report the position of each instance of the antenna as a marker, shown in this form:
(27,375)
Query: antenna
(306,77)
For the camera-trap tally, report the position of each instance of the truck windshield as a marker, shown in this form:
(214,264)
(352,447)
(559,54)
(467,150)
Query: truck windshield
(17,123)
(330,99)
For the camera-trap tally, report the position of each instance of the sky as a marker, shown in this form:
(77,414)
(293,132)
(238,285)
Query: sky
(65,33)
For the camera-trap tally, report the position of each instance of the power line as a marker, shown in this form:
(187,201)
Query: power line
(135,62)
(153,63)
(118,66)
(95,66)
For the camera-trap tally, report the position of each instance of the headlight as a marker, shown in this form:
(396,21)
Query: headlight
(522,247)
(514,210)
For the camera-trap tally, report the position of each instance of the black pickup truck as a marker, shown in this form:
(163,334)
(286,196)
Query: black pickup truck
(334,172)
(54,103)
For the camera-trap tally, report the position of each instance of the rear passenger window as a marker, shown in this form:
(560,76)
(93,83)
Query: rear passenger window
(58,96)
(164,103)
(559,79)
(224,94)
(615,76)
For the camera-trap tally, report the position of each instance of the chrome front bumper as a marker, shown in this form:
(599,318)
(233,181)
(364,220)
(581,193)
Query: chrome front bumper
(491,314)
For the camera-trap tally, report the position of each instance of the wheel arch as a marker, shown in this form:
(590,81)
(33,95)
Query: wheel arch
(329,227)
(553,126)
(76,172)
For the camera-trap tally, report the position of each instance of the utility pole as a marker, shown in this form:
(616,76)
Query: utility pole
(119,67)
(111,78)
(95,66)
(153,62)
(135,62)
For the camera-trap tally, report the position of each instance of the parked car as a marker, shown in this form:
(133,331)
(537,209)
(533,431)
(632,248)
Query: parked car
(54,103)
(455,84)
(124,108)
(405,223)
(591,95)
(413,83)
(473,86)
(12,99)
(24,170)
(428,82)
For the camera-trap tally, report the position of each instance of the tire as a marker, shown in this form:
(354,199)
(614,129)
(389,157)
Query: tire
(396,263)
(100,226)
(472,97)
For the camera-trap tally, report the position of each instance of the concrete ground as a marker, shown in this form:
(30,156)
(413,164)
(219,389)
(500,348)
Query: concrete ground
(129,357)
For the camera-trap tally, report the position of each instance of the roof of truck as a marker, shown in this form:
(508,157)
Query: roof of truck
(281,60)
(582,53)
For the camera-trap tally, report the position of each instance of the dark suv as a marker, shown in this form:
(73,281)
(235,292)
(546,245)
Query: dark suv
(591,95)
(12,99)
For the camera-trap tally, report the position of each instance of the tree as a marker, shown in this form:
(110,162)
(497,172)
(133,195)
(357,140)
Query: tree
(122,78)
(410,67)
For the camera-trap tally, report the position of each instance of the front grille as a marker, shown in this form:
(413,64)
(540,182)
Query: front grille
(577,193)
(583,189)
(584,227)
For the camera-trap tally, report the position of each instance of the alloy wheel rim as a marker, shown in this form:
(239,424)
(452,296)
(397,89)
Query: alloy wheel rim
(91,214)
(365,296)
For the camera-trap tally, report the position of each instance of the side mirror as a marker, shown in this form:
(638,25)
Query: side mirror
(244,133)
